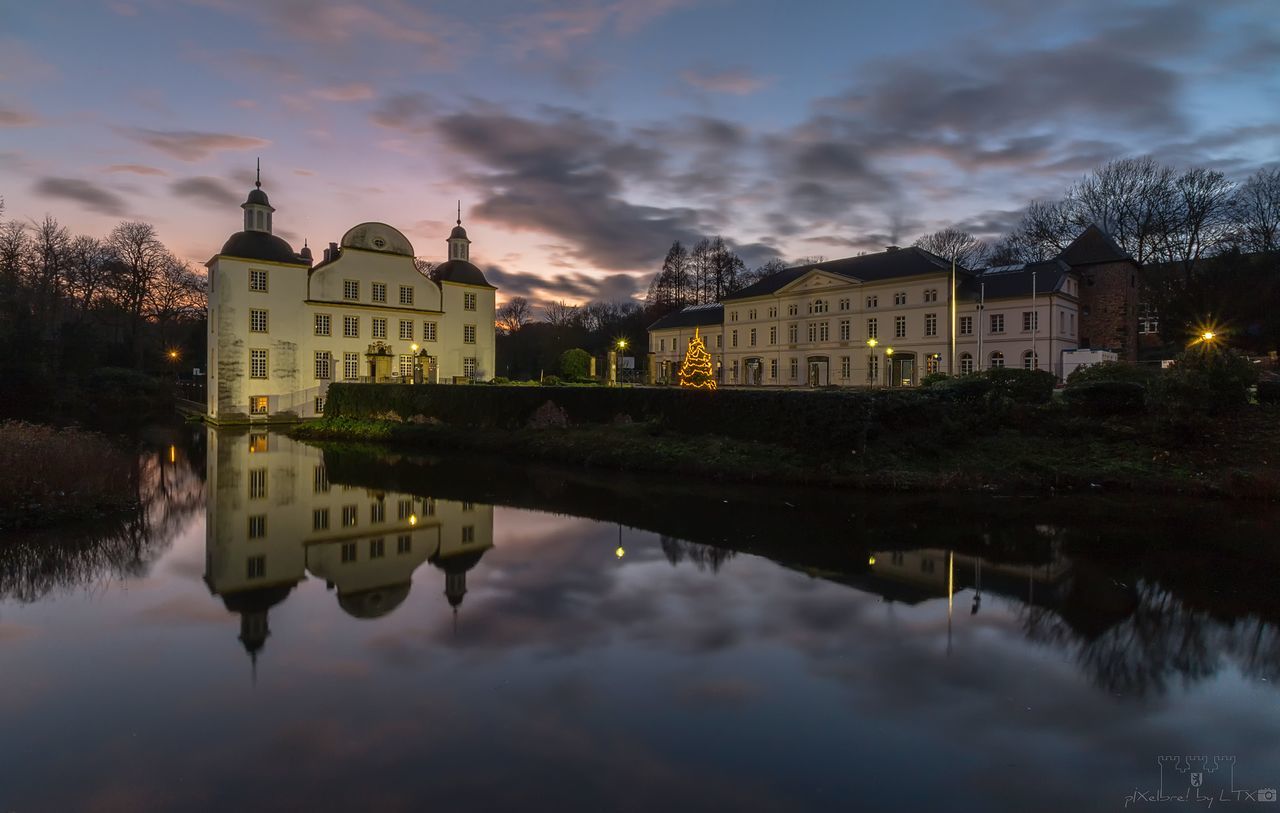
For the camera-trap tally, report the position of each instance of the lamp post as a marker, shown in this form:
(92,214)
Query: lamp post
(888,365)
(620,345)
(417,364)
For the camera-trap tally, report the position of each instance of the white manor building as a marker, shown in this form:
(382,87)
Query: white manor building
(281,329)
(880,319)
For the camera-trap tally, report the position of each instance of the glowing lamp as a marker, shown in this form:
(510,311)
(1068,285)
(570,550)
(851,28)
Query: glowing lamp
(871,560)
(872,343)
(888,351)
(413,519)
(619,552)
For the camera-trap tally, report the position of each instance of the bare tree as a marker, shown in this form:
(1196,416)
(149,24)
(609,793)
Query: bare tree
(176,292)
(1202,221)
(515,314)
(88,274)
(426,268)
(955,244)
(1133,199)
(560,313)
(139,257)
(1256,210)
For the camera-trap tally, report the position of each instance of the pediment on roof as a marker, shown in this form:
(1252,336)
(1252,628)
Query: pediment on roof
(816,280)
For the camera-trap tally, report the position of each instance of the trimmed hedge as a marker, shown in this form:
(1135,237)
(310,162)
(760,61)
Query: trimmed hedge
(1269,391)
(811,420)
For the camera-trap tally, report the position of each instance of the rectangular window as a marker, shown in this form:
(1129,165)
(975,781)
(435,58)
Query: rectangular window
(429,506)
(733,338)
(406,294)
(733,316)
(348,552)
(752,337)
(773,335)
(319,404)
(824,331)
(406,330)
(406,365)
(793,333)
(1030,321)
(351,327)
(350,366)
(900,298)
(997,323)
(1071,325)
(258,484)
(258,443)
(257,526)
(468,334)
(845,367)
(324,365)
(378,511)
(773,312)
(469,367)
(379,328)
(351,289)
(873,302)
(257,321)
(899,327)
(258,405)
(468,302)
(662,345)
(966,325)
(322,324)
(719,340)
(795,369)
(404,508)
(966,364)
(428,331)
(468,505)
(320,519)
(873,329)
(257,363)
(931,324)
(379,292)
(257,280)
(813,332)
(468,533)
(873,369)
(349,517)
(751,314)
(844,330)
(793,309)
(320,480)
(256,567)
(773,369)
(404,544)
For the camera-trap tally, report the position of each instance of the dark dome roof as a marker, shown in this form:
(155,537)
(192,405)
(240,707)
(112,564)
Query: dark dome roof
(374,603)
(458,562)
(258,196)
(460,271)
(257,600)
(258,245)
(458,231)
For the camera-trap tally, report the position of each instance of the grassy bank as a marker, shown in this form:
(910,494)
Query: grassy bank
(1031,448)
(50,475)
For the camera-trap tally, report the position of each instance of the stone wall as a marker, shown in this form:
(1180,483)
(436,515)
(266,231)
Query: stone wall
(1109,308)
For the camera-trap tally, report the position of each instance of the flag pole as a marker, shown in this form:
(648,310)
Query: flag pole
(951,361)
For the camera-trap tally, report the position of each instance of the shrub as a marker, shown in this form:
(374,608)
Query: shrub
(1206,381)
(970,388)
(1106,397)
(551,381)
(47,472)
(500,380)
(1021,386)
(1269,391)
(575,364)
(934,378)
(1114,371)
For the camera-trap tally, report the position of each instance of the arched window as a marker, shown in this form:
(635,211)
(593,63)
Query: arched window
(997,360)
(966,364)
(1030,361)
(819,306)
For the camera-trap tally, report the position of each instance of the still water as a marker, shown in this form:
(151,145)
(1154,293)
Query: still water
(284,628)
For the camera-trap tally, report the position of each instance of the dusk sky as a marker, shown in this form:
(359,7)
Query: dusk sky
(583,137)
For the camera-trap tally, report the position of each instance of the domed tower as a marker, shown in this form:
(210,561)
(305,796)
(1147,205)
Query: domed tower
(257,209)
(459,245)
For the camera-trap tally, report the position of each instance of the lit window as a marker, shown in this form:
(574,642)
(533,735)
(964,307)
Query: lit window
(406,294)
(379,292)
(406,365)
(406,329)
(379,328)
(350,289)
(351,327)
(322,324)
(257,321)
(428,331)
(258,364)
(257,280)
(468,334)
(258,443)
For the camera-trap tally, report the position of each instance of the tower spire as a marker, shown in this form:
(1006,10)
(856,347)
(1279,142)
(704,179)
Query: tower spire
(459,213)
(258,180)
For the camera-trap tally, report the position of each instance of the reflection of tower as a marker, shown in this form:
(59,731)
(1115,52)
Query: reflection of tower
(253,606)
(455,569)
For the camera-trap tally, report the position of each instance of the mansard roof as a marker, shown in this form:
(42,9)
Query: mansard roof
(691,316)
(890,264)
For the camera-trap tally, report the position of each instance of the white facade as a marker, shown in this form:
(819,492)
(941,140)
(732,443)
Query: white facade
(281,330)
(823,328)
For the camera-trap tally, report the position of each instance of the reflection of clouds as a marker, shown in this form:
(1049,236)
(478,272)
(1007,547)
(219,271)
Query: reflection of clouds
(185,609)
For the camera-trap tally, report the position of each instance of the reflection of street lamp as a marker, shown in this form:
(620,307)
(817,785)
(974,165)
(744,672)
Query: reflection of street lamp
(619,552)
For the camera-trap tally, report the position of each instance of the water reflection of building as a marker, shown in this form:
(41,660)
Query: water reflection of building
(274,516)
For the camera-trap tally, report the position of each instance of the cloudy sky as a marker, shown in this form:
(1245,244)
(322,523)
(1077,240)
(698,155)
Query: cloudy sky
(583,137)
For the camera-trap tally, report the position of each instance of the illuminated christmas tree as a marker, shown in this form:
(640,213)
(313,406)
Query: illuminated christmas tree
(695,370)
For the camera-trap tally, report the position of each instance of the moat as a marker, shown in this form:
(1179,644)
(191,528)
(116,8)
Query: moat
(282,626)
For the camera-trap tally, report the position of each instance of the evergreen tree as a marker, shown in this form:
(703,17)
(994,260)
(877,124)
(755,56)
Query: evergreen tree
(695,370)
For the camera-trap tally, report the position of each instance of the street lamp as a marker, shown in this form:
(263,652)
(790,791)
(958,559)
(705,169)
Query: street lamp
(888,364)
(871,354)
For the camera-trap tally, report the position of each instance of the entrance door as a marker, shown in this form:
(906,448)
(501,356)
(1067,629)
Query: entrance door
(819,371)
(755,372)
(903,372)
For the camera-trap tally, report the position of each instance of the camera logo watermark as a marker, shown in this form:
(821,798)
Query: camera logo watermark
(1202,780)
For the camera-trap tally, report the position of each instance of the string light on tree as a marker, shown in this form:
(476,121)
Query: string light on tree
(695,370)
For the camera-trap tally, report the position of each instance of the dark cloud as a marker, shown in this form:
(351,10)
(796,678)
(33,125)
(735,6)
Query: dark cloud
(187,145)
(566,174)
(210,190)
(92,197)
(579,287)
(405,111)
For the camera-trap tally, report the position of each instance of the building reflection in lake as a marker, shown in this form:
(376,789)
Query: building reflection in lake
(274,516)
